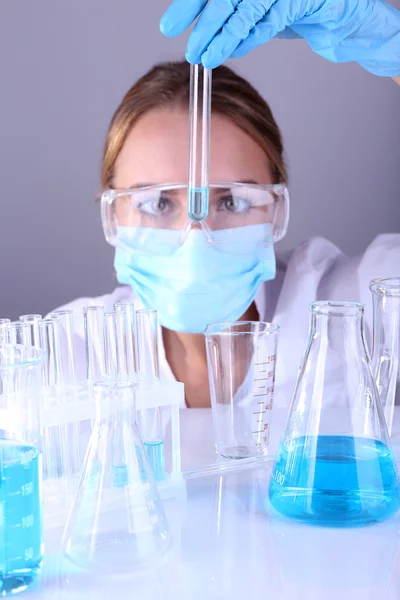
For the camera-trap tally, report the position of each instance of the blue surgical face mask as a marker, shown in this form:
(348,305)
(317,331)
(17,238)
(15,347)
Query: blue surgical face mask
(198,284)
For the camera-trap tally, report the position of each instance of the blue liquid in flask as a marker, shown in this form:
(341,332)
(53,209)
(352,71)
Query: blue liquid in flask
(335,481)
(155,452)
(21,525)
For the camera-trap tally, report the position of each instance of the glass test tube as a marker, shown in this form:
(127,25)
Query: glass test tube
(55,442)
(67,351)
(115,343)
(49,330)
(147,366)
(128,309)
(199,142)
(94,342)
(19,332)
(3,330)
(33,321)
(73,452)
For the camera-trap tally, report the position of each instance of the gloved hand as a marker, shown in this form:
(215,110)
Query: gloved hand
(366,31)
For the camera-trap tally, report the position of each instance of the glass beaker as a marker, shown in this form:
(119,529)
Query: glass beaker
(386,343)
(21,526)
(117,523)
(241,369)
(334,465)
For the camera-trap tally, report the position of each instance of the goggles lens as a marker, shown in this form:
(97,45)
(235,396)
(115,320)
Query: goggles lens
(130,217)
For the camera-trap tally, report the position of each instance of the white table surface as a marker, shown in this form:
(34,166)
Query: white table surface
(228,543)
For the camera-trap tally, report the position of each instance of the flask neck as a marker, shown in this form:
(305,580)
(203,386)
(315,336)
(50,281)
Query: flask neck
(339,326)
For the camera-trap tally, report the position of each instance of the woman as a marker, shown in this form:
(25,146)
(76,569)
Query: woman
(224,271)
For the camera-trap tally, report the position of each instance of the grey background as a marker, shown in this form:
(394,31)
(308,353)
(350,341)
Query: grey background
(64,67)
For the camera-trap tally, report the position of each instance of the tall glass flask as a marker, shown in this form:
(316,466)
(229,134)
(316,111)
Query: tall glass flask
(21,527)
(386,343)
(116,524)
(334,465)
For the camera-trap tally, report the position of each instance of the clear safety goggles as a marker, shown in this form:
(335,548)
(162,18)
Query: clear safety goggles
(153,219)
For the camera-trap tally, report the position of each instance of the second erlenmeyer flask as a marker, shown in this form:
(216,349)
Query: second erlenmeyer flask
(117,523)
(335,466)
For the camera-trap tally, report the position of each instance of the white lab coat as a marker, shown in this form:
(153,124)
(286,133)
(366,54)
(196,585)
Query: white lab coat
(315,270)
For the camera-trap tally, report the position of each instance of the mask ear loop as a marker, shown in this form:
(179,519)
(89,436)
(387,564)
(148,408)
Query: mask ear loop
(193,225)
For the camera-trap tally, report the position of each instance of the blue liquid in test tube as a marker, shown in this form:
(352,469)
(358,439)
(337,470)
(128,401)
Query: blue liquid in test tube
(198,203)
(21,526)
(150,420)
(199,142)
(155,452)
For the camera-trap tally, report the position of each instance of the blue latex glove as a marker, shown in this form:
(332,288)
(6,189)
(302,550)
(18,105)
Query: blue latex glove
(366,31)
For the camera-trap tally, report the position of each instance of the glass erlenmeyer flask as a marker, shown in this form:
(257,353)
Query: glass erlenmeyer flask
(334,465)
(117,522)
(386,342)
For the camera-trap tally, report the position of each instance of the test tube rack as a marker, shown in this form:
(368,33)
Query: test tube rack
(69,407)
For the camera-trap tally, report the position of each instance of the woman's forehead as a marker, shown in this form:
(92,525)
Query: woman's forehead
(156,151)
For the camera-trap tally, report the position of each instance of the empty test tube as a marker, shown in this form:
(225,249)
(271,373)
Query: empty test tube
(33,321)
(147,365)
(73,453)
(4,330)
(199,142)
(50,342)
(55,442)
(128,309)
(67,351)
(94,342)
(115,342)
(19,332)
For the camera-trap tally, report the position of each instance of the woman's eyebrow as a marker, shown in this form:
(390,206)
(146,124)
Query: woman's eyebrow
(133,186)
(249,181)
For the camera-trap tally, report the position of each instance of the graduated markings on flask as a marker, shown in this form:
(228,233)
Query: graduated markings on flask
(263,390)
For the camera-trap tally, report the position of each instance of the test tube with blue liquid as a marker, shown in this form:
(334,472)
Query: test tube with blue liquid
(199,142)
(21,524)
(150,420)
(115,332)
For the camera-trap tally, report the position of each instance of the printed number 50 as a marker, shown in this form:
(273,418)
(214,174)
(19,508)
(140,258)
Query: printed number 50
(29,553)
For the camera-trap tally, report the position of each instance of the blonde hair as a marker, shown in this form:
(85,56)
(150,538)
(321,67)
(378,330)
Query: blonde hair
(167,84)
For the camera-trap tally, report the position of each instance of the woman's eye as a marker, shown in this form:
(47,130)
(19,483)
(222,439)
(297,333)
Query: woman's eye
(157,206)
(234,204)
